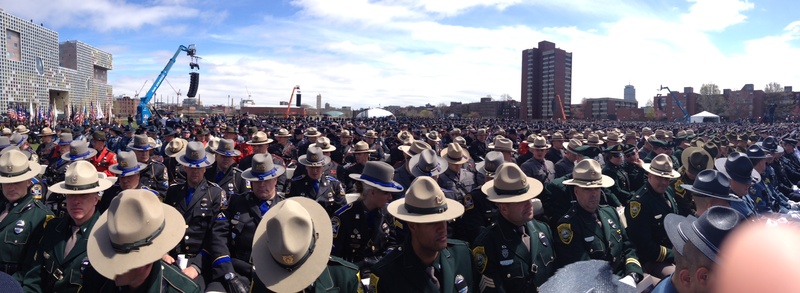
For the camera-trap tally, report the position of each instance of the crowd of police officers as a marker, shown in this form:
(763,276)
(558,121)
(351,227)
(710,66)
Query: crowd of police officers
(414,205)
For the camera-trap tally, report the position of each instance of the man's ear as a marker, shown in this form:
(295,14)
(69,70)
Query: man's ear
(702,276)
(684,277)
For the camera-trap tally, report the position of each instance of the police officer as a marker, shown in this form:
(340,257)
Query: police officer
(515,254)
(361,152)
(614,170)
(537,166)
(694,160)
(104,157)
(479,212)
(22,219)
(362,230)
(593,231)
(61,255)
(259,144)
(78,150)
(633,167)
(200,203)
(245,211)
(155,174)
(344,148)
(171,152)
(402,174)
(284,149)
(478,148)
(326,190)
(331,169)
(571,155)
(224,171)
(128,172)
(427,261)
(455,179)
(376,145)
(302,241)
(645,217)
(47,147)
(311,134)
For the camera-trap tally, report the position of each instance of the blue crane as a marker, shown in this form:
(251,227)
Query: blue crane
(142,111)
(686,116)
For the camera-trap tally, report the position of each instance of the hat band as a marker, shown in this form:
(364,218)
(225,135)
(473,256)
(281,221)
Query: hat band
(227,153)
(660,172)
(81,187)
(426,211)
(4,174)
(304,258)
(127,171)
(263,175)
(196,163)
(128,247)
(412,152)
(454,158)
(74,157)
(511,191)
(588,182)
(429,172)
(381,183)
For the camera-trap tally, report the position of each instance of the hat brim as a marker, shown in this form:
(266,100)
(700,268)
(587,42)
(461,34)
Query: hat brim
(278,279)
(329,149)
(149,146)
(492,147)
(672,175)
(91,154)
(232,153)
(110,264)
(304,161)
(546,146)
(283,135)
(35,169)
(181,158)
(397,208)
(249,176)
(778,150)
(61,187)
(396,187)
(533,191)
(170,153)
(268,141)
(605,182)
(363,151)
(719,164)
(672,221)
(728,196)
(116,170)
(312,135)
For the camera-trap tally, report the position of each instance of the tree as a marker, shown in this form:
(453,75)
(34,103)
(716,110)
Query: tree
(708,89)
(473,114)
(426,114)
(773,87)
(506,97)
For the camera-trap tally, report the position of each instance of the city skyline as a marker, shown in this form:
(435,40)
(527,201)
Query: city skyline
(364,53)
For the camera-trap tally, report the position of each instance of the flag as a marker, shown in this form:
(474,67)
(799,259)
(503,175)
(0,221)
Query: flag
(30,109)
(99,112)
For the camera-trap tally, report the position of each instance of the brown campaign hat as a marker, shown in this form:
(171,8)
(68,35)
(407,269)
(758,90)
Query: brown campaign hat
(661,166)
(259,138)
(588,174)
(511,185)
(425,203)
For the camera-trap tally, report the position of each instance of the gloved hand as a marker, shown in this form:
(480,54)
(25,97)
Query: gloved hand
(628,280)
(795,188)
(235,285)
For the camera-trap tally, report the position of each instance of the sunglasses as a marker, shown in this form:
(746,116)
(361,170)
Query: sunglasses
(617,155)
(629,155)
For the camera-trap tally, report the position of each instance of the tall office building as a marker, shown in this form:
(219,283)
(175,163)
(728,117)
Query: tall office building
(546,72)
(630,93)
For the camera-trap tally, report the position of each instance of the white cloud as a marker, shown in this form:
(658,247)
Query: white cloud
(715,15)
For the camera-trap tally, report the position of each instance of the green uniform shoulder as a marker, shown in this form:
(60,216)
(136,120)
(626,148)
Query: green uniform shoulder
(176,279)
(336,261)
(567,218)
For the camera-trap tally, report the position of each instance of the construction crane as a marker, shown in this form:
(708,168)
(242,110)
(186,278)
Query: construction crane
(142,111)
(686,116)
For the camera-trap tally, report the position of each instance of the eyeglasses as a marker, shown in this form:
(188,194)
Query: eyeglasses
(618,155)
(629,155)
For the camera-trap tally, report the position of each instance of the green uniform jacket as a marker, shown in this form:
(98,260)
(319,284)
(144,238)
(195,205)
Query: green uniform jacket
(622,186)
(645,215)
(581,238)
(52,271)
(21,231)
(402,271)
(636,176)
(505,263)
(338,276)
(557,199)
(682,196)
(163,278)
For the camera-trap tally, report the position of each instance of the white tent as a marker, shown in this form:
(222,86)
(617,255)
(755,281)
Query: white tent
(372,113)
(704,116)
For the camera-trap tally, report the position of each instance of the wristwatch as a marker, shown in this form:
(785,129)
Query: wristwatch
(229,276)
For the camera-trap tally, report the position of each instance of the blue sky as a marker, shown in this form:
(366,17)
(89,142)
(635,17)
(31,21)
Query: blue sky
(410,52)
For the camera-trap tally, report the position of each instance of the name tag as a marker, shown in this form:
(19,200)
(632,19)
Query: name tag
(507,262)
(589,239)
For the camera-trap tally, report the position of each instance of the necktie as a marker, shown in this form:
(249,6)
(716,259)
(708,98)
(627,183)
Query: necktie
(264,207)
(5,212)
(431,272)
(72,239)
(189,196)
(220,175)
(316,187)
(525,238)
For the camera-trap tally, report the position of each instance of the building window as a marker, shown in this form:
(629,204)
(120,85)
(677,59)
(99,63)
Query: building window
(13,49)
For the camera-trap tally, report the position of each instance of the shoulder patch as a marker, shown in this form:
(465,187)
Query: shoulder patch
(36,191)
(373,282)
(336,223)
(221,217)
(635,208)
(398,224)
(47,219)
(298,177)
(565,233)
(468,202)
(479,253)
(331,178)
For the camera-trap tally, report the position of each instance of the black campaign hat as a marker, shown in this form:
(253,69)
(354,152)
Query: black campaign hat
(771,145)
(757,152)
(707,233)
(712,183)
(737,167)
